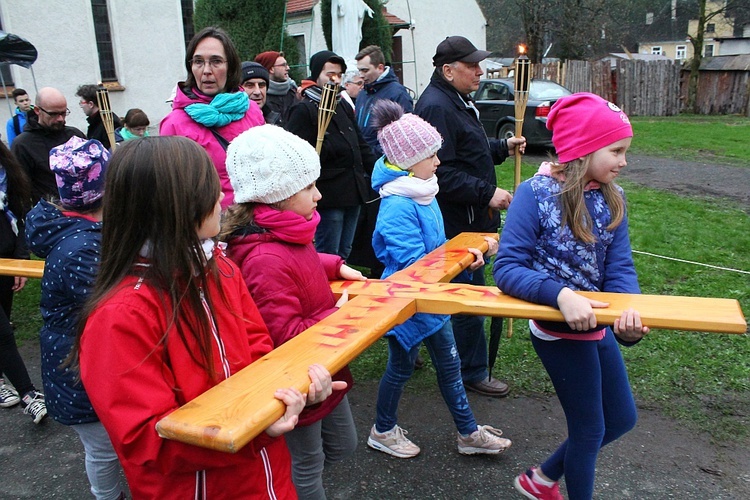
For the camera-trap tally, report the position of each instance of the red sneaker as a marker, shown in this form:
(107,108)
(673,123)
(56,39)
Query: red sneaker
(529,488)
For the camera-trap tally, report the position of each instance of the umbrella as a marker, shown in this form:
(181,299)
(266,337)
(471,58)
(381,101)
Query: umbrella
(16,50)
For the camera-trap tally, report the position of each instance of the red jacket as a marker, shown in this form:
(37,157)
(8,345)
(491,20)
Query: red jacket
(289,284)
(131,388)
(178,122)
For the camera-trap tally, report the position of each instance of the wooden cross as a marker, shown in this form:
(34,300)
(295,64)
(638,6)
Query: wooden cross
(232,413)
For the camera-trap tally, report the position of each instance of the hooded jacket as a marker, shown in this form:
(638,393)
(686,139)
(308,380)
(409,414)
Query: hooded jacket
(135,379)
(386,87)
(32,148)
(15,125)
(70,243)
(467,159)
(406,231)
(178,122)
(289,284)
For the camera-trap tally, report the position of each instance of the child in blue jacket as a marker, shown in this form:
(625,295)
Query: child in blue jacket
(67,232)
(567,230)
(409,226)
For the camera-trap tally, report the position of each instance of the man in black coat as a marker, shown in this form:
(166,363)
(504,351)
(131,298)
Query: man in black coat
(44,130)
(90,106)
(469,197)
(346,160)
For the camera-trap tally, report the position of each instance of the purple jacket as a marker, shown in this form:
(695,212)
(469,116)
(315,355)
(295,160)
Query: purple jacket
(178,122)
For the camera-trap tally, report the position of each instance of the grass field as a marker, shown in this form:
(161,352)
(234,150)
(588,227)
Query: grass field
(703,379)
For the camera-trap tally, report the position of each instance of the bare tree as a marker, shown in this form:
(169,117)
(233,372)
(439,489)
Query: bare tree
(537,16)
(707,11)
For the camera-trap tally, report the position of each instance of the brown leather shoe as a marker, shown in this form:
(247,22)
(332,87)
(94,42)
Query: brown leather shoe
(489,387)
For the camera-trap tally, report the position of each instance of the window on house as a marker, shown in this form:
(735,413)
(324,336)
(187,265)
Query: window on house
(710,28)
(188,29)
(649,18)
(656,50)
(681,52)
(299,41)
(708,51)
(104,40)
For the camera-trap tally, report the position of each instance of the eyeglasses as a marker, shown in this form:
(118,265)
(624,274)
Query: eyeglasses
(214,62)
(285,65)
(358,84)
(54,114)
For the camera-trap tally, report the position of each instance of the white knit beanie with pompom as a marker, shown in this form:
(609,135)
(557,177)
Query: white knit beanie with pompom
(267,164)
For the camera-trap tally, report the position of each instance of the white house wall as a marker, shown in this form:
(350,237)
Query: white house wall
(148,43)
(433,21)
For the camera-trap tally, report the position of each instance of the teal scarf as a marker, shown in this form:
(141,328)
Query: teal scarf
(223,109)
(127,135)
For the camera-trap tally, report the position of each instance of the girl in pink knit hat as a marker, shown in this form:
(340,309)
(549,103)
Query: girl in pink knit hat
(409,226)
(567,231)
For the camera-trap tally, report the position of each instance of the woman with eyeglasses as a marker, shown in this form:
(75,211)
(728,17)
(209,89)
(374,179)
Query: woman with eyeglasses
(210,107)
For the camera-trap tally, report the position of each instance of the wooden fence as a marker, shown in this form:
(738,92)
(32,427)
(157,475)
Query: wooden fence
(652,88)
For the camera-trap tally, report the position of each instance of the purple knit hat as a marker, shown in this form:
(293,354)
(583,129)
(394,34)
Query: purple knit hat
(79,166)
(408,140)
(583,123)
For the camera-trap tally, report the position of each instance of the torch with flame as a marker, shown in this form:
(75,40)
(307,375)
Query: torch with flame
(521,96)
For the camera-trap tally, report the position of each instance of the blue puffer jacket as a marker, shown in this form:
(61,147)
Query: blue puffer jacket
(386,87)
(71,248)
(405,232)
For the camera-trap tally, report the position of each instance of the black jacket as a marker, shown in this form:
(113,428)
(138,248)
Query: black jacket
(281,104)
(346,160)
(32,148)
(97,131)
(466,174)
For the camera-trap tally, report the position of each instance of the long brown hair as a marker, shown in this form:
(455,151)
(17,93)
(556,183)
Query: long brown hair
(575,215)
(159,191)
(19,186)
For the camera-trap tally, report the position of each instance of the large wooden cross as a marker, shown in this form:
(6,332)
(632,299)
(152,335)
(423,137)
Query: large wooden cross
(232,413)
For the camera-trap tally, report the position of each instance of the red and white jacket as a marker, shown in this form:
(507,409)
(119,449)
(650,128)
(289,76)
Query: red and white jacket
(134,380)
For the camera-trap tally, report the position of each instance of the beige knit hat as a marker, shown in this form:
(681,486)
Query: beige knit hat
(267,164)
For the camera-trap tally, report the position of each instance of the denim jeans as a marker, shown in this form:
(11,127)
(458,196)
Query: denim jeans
(592,385)
(324,442)
(442,349)
(470,339)
(102,464)
(335,232)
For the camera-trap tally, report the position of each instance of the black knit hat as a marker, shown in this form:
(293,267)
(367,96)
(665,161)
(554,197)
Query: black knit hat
(252,69)
(457,48)
(318,60)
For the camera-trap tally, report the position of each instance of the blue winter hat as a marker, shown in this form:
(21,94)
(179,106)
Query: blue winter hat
(79,166)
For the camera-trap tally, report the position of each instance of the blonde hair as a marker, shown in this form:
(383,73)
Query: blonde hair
(575,215)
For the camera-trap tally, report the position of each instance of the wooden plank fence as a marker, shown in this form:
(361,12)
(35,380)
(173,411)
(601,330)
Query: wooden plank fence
(651,88)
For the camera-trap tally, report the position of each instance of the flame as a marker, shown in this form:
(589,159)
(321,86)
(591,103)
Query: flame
(521,49)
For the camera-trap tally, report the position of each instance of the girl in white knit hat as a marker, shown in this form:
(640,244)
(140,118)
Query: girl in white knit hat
(409,226)
(270,231)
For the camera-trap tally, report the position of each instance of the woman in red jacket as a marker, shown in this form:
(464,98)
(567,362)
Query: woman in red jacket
(170,317)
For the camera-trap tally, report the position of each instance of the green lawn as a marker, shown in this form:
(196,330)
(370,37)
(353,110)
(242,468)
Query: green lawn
(723,139)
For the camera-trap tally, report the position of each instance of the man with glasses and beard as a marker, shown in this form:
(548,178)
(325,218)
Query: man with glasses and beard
(45,128)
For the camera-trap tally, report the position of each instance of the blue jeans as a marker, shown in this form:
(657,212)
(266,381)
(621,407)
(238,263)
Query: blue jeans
(335,232)
(102,465)
(313,446)
(442,349)
(470,338)
(592,385)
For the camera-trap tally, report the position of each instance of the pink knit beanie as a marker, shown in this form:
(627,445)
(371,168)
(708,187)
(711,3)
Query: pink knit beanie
(583,123)
(406,139)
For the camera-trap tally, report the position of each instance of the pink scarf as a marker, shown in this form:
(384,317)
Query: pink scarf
(285,225)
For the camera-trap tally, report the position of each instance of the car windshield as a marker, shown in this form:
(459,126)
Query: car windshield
(542,91)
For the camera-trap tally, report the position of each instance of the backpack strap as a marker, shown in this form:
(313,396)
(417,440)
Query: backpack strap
(17,124)
(222,140)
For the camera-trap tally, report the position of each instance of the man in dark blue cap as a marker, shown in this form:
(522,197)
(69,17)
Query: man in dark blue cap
(469,197)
